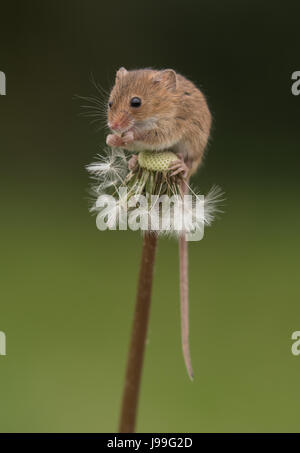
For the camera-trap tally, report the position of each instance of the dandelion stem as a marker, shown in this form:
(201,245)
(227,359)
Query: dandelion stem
(138,336)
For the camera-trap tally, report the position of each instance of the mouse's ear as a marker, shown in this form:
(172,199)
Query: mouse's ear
(120,73)
(168,77)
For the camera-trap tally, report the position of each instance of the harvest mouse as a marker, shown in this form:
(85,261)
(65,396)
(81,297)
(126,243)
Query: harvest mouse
(158,110)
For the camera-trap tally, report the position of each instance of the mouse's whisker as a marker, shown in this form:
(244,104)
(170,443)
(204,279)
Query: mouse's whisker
(91,99)
(98,87)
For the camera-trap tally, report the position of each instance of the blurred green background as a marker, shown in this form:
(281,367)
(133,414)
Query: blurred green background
(68,290)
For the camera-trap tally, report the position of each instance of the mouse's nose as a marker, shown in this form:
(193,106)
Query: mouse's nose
(115,125)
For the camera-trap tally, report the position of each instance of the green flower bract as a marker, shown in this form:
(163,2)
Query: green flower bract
(156,160)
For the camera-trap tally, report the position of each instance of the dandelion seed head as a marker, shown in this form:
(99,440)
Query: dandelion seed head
(181,215)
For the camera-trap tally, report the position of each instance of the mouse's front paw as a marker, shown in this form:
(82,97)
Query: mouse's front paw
(128,138)
(114,140)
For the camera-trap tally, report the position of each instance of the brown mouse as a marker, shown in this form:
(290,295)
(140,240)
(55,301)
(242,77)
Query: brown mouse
(159,110)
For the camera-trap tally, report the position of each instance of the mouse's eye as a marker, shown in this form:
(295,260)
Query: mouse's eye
(110,104)
(135,102)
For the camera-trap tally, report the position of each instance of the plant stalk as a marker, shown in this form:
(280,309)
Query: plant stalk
(138,336)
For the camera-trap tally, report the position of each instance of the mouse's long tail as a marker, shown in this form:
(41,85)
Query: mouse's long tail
(184,303)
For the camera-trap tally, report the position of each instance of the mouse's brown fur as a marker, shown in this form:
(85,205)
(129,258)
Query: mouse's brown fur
(173,114)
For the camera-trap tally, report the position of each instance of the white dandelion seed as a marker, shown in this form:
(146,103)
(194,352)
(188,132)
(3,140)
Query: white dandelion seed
(110,170)
(212,202)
